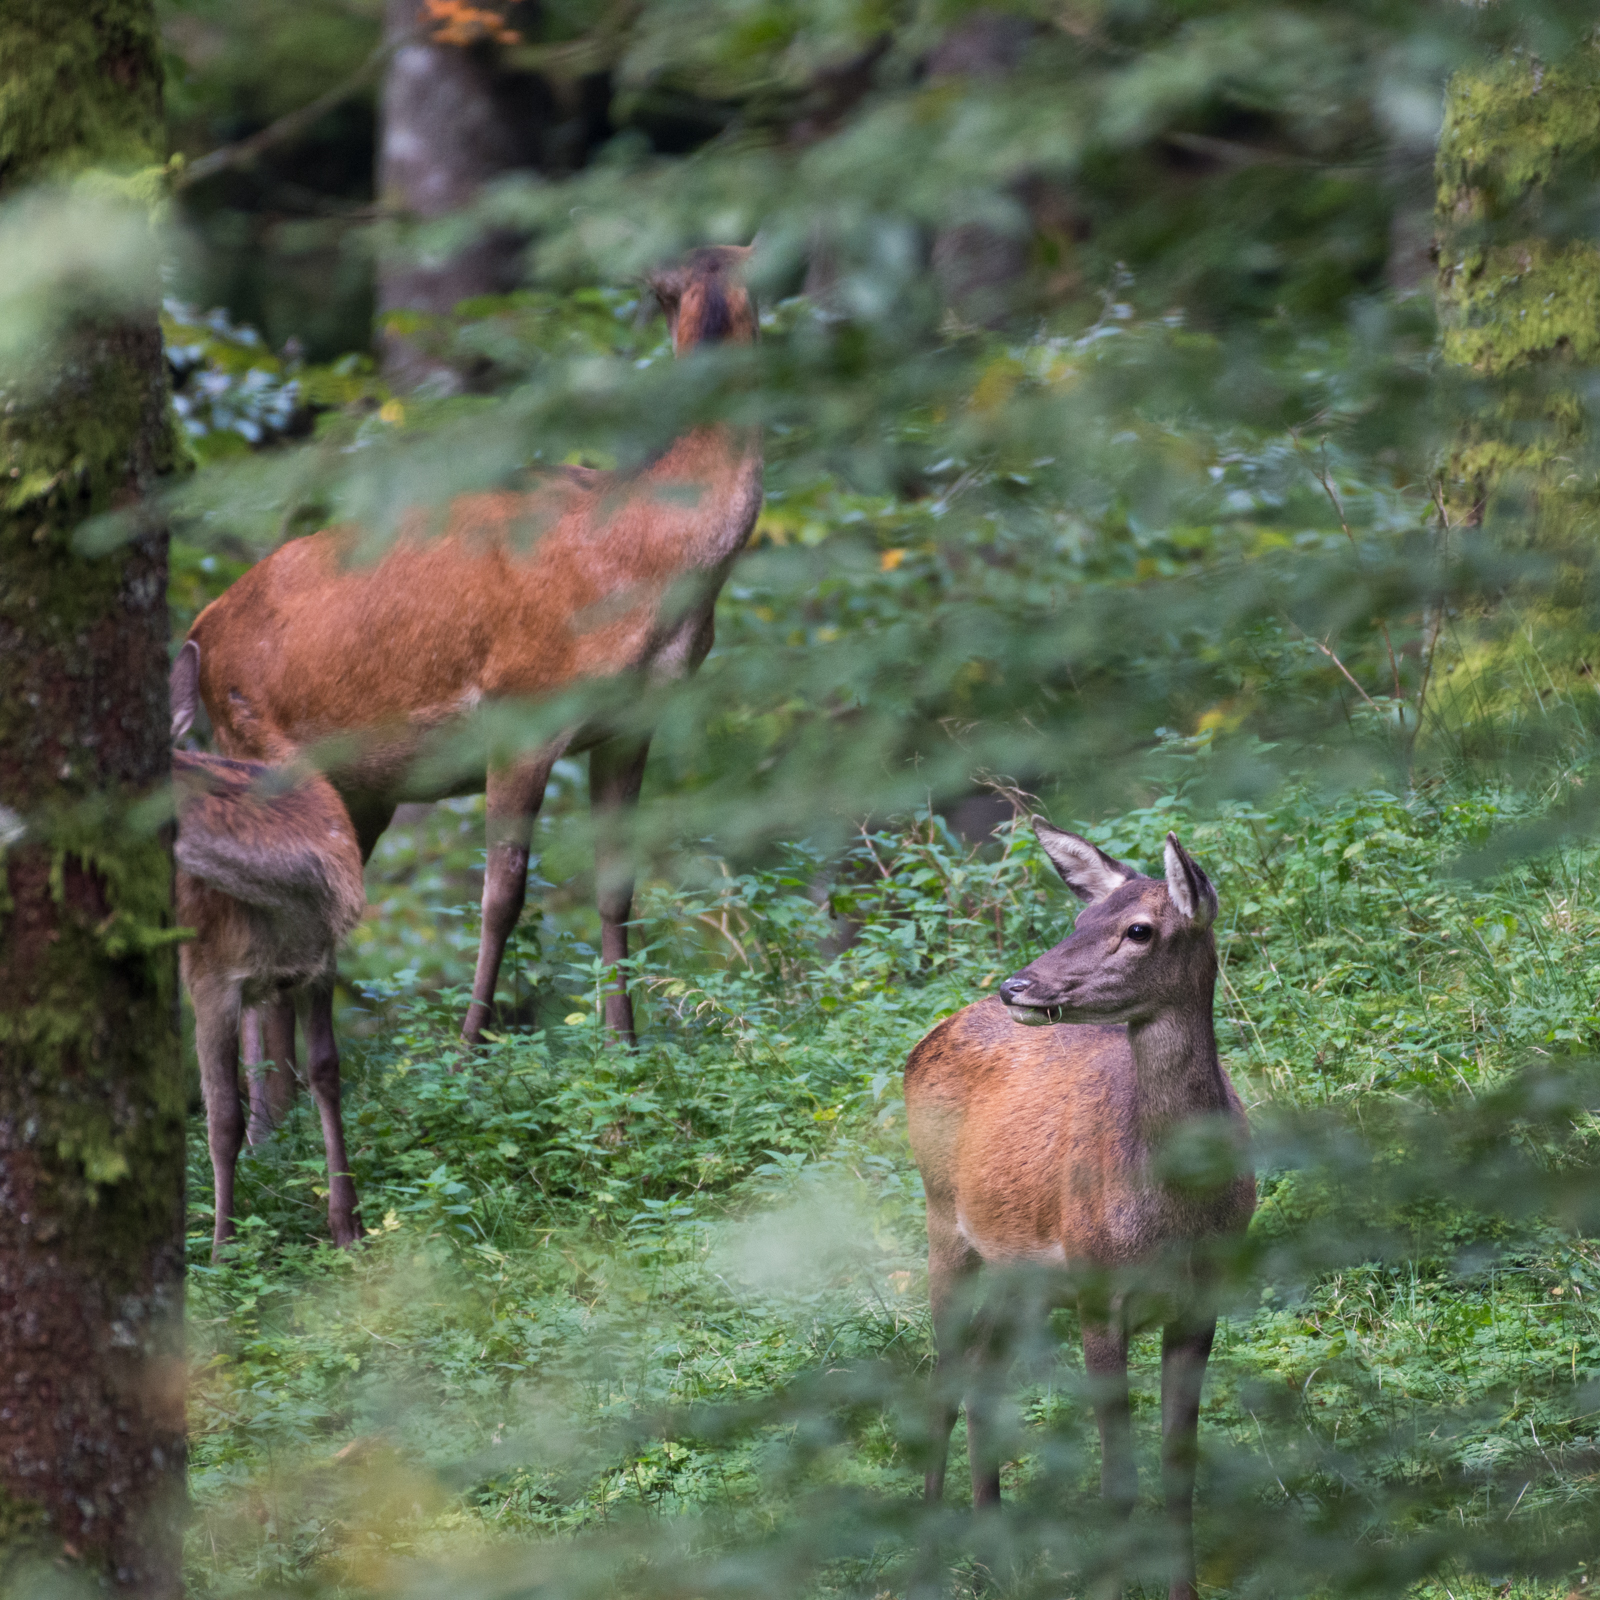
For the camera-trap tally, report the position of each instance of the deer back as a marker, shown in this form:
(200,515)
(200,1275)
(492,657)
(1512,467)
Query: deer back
(588,575)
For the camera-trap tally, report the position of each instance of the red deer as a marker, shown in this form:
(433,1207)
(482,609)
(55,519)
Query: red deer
(269,877)
(592,575)
(1044,1145)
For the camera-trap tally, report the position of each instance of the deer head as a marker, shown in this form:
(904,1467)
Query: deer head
(1141,945)
(705,300)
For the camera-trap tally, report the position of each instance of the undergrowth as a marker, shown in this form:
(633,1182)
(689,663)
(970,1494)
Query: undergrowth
(653,1322)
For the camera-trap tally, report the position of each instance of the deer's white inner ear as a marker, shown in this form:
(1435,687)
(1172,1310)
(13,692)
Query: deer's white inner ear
(1179,888)
(1086,870)
(184,688)
(1188,887)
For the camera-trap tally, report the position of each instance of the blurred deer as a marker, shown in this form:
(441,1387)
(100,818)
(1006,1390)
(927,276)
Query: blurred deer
(592,575)
(1054,1145)
(269,877)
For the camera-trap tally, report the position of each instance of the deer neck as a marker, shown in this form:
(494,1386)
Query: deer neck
(1177,1072)
(718,467)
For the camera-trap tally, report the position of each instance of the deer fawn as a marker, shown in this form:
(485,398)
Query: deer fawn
(592,575)
(269,877)
(1045,1146)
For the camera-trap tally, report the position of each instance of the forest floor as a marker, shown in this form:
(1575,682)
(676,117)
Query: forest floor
(654,1322)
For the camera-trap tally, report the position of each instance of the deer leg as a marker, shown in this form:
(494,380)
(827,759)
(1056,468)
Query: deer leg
(987,1360)
(951,1269)
(616,772)
(322,1072)
(951,1266)
(514,795)
(267,1033)
(1185,1348)
(1105,1359)
(216,1036)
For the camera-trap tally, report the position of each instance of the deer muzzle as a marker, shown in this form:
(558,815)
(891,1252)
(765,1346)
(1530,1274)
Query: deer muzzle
(1013,994)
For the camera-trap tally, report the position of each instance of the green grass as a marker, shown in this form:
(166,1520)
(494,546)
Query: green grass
(655,1323)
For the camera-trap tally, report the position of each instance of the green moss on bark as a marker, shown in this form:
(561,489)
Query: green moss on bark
(91,1089)
(80,86)
(1519,301)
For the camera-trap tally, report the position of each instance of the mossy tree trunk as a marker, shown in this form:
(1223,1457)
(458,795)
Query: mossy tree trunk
(1519,287)
(91,1091)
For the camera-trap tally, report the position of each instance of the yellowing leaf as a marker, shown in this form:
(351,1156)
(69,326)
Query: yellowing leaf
(995,386)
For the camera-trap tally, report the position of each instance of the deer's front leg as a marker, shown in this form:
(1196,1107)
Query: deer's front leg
(514,795)
(1185,1348)
(1105,1360)
(616,772)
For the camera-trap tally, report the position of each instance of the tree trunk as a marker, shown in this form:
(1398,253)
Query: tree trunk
(91,1088)
(1517,301)
(452,118)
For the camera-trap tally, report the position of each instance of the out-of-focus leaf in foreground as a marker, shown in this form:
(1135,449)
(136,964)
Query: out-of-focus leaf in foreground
(65,254)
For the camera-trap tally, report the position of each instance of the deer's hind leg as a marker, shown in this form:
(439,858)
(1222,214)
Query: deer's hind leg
(216,1037)
(322,1071)
(267,1035)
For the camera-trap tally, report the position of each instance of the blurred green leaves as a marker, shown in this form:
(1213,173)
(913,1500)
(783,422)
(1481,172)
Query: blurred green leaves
(1171,521)
(655,1322)
(91,249)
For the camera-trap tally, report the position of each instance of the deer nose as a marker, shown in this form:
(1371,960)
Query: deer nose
(1013,989)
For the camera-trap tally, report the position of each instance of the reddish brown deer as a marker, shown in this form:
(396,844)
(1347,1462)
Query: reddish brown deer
(592,575)
(1045,1145)
(269,877)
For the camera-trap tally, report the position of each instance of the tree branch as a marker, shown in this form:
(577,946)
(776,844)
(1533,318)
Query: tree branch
(1332,656)
(1320,473)
(292,122)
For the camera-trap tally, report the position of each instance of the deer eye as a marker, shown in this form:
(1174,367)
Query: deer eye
(1141,933)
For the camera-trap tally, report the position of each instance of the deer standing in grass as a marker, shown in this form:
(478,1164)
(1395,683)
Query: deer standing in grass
(1045,1145)
(269,877)
(592,575)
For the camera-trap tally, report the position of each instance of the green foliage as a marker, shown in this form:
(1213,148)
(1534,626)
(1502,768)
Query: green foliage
(1186,483)
(623,1318)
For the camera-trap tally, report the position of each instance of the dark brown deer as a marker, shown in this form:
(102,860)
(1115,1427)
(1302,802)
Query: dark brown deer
(1046,1145)
(592,575)
(269,877)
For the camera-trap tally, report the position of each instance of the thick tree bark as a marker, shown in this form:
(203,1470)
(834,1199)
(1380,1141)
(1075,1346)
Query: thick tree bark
(978,266)
(452,119)
(91,1089)
(1518,290)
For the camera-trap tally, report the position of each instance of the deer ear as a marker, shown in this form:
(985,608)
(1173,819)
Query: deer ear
(184,688)
(666,284)
(1189,888)
(1087,871)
